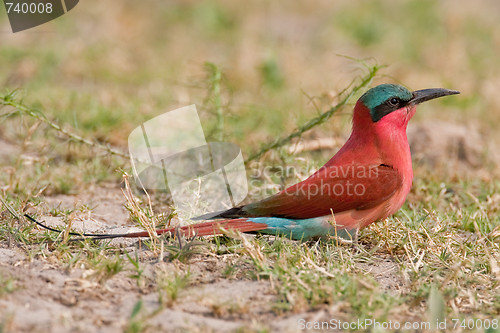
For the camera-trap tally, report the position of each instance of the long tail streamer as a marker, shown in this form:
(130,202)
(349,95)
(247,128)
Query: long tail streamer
(200,229)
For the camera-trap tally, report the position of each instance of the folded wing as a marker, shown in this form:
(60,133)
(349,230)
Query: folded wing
(335,188)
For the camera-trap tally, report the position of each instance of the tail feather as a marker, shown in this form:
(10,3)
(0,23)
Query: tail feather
(200,229)
(207,228)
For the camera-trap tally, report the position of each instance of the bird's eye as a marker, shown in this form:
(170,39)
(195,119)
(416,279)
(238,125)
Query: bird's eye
(394,101)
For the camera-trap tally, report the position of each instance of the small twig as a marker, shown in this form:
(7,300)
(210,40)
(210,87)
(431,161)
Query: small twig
(215,77)
(8,100)
(365,81)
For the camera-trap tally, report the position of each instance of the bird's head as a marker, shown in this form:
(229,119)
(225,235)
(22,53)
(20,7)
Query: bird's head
(392,106)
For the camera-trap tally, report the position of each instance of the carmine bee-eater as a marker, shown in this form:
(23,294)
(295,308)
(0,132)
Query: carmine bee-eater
(366,181)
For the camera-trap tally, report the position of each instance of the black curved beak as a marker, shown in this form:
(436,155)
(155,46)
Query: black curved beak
(424,95)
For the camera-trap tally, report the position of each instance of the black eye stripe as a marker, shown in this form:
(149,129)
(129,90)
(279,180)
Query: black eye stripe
(390,105)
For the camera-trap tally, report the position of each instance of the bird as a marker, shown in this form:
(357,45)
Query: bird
(366,181)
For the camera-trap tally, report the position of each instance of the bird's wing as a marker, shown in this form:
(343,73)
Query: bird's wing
(334,188)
